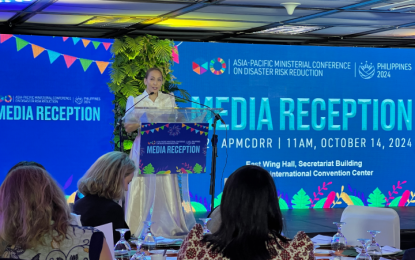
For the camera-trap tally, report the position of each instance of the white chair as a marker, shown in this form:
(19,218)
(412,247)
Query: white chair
(360,219)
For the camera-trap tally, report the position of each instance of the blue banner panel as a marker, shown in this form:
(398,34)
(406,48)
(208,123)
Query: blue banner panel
(333,126)
(55,105)
(174,148)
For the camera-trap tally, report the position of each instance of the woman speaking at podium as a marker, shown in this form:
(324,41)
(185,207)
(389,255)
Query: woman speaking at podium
(157,193)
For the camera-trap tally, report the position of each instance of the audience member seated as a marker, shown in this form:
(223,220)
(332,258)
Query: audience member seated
(409,254)
(35,220)
(251,224)
(26,163)
(104,184)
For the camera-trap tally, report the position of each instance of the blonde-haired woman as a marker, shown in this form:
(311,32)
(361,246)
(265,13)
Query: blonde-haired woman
(103,184)
(35,220)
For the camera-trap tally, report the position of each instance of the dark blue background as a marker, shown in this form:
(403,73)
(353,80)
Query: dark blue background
(65,148)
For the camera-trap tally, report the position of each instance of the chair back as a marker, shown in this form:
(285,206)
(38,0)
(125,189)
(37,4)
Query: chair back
(360,219)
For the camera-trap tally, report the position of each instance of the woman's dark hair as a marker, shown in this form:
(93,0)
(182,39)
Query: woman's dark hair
(153,69)
(251,216)
(25,163)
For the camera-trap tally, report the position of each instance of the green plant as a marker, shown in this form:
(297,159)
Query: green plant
(132,58)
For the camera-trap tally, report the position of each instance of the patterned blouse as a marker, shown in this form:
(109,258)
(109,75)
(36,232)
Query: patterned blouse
(300,248)
(81,243)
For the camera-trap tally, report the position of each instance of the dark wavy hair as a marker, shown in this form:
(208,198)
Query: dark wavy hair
(251,216)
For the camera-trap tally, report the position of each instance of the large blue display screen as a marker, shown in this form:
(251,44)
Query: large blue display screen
(55,105)
(332,125)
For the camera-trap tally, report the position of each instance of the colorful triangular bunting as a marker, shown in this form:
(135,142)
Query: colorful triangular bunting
(102,65)
(187,127)
(206,133)
(201,132)
(75,40)
(152,130)
(85,42)
(192,129)
(157,129)
(167,125)
(142,132)
(183,125)
(85,63)
(175,54)
(37,50)
(5,37)
(69,60)
(106,45)
(20,43)
(162,127)
(96,44)
(147,131)
(65,38)
(197,131)
(53,56)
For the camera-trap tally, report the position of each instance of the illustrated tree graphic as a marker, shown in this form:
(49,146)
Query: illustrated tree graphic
(149,169)
(198,168)
(376,199)
(301,200)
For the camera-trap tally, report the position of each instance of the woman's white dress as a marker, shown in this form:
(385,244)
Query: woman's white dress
(171,217)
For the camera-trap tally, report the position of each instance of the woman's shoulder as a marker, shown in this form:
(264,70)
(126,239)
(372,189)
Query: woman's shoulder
(77,230)
(193,246)
(94,203)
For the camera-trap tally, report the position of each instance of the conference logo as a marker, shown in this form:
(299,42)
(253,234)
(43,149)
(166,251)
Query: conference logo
(366,71)
(6,99)
(151,143)
(217,66)
(78,100)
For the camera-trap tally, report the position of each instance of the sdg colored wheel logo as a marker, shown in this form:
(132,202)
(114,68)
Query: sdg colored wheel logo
(6,99)
(212,66)
(217,66)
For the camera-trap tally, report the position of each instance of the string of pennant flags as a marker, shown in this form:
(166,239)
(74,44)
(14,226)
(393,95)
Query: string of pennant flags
(194,129)
(167,125)
(87,42)
(53,55)
(152,130)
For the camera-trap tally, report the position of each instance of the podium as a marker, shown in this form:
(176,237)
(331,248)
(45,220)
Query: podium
(171,143)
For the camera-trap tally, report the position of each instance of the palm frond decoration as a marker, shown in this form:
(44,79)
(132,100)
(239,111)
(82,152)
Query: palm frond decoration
(132,58)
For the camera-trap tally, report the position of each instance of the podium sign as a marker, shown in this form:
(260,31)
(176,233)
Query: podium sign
(173,148)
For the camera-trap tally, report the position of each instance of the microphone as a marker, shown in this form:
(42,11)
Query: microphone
(119,120)
(217,116)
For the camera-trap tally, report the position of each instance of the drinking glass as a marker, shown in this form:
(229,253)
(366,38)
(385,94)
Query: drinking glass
(373,248)
(149,239)
(122,247)
(338,242)
(138,254)
(205,228)
(363,255)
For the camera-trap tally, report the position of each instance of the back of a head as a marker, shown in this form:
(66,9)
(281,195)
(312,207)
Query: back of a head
(249,212)
(25,163)
(31,206)
(105,177)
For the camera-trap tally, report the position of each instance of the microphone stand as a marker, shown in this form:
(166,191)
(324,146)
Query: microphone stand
(214,142)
